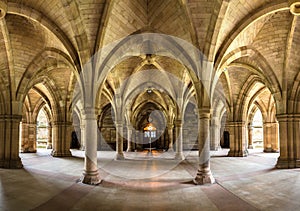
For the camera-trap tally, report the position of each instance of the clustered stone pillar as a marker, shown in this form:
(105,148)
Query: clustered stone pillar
(61,139)
(91,173)
(179,145)
(271,137)
(204,175)
(9,141)
(119,139)
(289,141)
(28,139)
(170,133)
(238,146)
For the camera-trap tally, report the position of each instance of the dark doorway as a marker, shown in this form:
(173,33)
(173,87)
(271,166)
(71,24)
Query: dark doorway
(226,140)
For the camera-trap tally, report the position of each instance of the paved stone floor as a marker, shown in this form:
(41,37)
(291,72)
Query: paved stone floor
(144,182)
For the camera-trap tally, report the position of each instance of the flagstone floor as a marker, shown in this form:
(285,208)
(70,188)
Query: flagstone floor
(149,182)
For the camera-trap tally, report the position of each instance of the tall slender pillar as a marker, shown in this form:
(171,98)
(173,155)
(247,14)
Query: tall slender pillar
(250,136)
(170,135)
(119,139)
(129,139)
(215,134)
(82,144)
(61,139)
(9,141)
(179,145)
(91,173)
(289,141)
(204,175)
(238,146)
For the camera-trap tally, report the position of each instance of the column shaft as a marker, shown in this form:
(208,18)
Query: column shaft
(204,175)
(9,141)
(61,139)
(129,140)
(238,146)
(179,151)
(119,140)
(91,173)
(170,135)
(289,141)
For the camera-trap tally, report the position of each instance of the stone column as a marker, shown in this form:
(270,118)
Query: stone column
(275,139)
(267,137)
(91,173)
(129,139)
(49,143)
(238,146)
(270,137)
(215,134)
(61,139)
(29,134)
(250,136)
(204,175)
(82,143)
(170,135)
(179,151)
(119,140)
(9,141)
(289,141)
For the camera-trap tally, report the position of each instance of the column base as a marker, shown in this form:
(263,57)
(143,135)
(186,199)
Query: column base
(129,150)
(67,153)
(82,148)
(239,153)
(250,147)
(49,146)
(215,148)
(203,177)
(179,156)
(11,164)
(28,151)
(119,156)
(270,150)
(287,164)
(91,178)
(171,150)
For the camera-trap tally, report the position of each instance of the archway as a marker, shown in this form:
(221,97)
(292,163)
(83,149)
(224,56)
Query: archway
(257,131)
(150,114)
(42,130)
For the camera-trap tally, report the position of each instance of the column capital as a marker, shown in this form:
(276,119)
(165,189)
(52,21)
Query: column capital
(11,117)
(170,126)
(236,124)
(61,123)
(88,113)
(269,124)
(179,122)
(287,117)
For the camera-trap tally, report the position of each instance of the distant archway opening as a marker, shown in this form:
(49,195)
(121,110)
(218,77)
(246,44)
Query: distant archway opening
(258,132)
(42,130)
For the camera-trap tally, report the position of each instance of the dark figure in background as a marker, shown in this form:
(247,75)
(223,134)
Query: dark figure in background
(74,143)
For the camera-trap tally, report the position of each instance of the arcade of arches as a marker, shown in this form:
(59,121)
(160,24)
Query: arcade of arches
(245,94)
